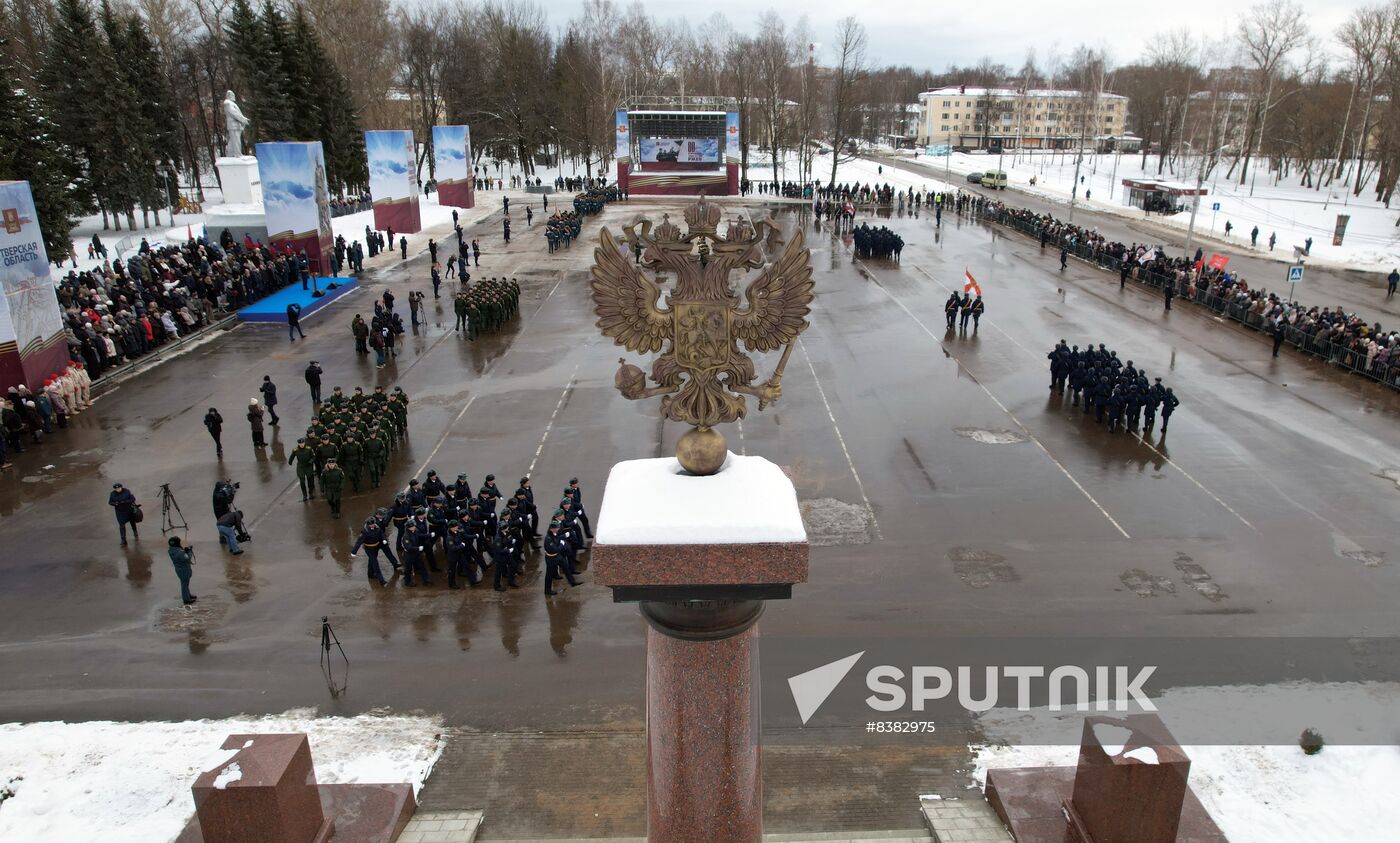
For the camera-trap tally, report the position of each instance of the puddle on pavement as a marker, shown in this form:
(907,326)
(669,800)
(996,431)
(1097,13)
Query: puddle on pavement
(981,568)
(990,437)
(1144,584)
(1365,557)
(1198,578)
(831,522)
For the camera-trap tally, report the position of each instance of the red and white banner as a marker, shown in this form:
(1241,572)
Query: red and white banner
(971,286)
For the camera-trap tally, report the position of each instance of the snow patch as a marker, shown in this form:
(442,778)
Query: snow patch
(1112,737)
(1145,754)
(132,780)
(655,501)
(228,775)
(1271,793)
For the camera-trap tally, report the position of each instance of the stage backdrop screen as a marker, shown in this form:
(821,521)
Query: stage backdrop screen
(297,199)
(680,150)
(452,161)
(32,345)
(392,180)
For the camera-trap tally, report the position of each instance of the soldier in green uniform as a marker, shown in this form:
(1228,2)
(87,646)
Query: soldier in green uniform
(332,480)
(352,455)
(459,306)
(327,451)
(376,455)
(305,458)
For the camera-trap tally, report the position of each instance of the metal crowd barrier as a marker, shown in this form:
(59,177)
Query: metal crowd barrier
(1353,360)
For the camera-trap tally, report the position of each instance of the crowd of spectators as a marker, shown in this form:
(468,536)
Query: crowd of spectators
(1332,333)
(345,205)
(124,309)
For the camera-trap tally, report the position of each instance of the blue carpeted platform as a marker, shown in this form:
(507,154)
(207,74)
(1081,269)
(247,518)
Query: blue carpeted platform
(274,307)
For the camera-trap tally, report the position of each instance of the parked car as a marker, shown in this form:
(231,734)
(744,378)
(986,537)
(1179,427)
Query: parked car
(974,178)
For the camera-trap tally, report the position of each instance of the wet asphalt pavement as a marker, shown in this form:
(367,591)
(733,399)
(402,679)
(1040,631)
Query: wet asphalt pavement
(953,494)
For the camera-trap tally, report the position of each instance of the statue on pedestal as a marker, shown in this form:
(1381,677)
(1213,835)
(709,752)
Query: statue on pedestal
(234,123)
(702,374)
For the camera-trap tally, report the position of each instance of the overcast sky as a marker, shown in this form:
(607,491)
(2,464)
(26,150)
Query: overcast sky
(934,34)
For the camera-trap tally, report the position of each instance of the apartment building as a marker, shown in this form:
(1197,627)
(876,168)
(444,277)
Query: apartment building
(1008,118)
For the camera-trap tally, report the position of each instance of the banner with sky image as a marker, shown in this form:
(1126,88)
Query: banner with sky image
(32,344)
(392,181)
(297,200)
(452,166)
(731,136)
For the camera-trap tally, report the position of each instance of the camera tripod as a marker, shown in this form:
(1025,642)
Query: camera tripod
(328,640)
(170,512)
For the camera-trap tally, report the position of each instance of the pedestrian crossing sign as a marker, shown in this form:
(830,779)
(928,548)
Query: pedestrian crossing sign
(1295,273)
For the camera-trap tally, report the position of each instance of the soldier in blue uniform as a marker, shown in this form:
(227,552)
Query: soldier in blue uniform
(372,540)
(414,547)
(1169,404)
(575,494)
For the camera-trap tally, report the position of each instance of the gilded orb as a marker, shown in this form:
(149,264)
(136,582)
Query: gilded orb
(701,451)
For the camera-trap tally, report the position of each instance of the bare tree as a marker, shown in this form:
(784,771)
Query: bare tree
(423,49)
(1268,35)
(847,78)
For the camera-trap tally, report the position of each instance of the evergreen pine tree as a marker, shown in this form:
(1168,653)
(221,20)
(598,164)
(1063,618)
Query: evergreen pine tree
(132,183)
(72,92)
(258,76)
(279,100)
(160,114)
(330,117)
(33,150)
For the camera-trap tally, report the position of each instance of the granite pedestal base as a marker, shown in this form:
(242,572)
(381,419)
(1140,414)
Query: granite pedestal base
(1133,793)
(267,793)
(700,574)
(703,752)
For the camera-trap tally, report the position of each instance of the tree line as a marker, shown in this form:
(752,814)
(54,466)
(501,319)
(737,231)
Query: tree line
(112,106)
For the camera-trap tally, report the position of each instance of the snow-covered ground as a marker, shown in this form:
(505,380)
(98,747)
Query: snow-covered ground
(351,226)
(130,782)
(1292,212)
(1272,793)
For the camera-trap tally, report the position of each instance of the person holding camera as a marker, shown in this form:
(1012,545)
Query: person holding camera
(231,530)
(182,557)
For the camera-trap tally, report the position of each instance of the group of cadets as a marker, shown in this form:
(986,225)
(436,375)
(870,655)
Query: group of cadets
(877,242)
(1110,387)
(485,306)
(435,517)
(964,307)
(562,229)
(350,437)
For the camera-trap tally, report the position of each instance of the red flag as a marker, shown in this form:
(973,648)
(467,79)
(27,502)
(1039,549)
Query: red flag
(189,231)
(1218,261)
(971,286)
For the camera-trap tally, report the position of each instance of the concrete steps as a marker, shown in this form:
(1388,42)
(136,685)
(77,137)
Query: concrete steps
(908,835)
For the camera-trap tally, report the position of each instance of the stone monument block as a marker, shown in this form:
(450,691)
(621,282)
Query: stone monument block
(268,793)
(1129,786)
(264,794)
(239,177)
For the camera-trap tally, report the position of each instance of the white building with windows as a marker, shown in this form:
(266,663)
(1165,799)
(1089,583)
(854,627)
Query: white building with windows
(1010,118)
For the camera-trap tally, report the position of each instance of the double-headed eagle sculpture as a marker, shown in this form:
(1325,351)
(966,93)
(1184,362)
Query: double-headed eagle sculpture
(701,374)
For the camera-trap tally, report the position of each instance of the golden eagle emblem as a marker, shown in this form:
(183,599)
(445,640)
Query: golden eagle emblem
(702,375)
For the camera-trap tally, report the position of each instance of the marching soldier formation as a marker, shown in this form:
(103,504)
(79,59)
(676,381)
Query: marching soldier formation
(434,520)
(1110,389)
(485,306)
(877,242)
(349,441)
